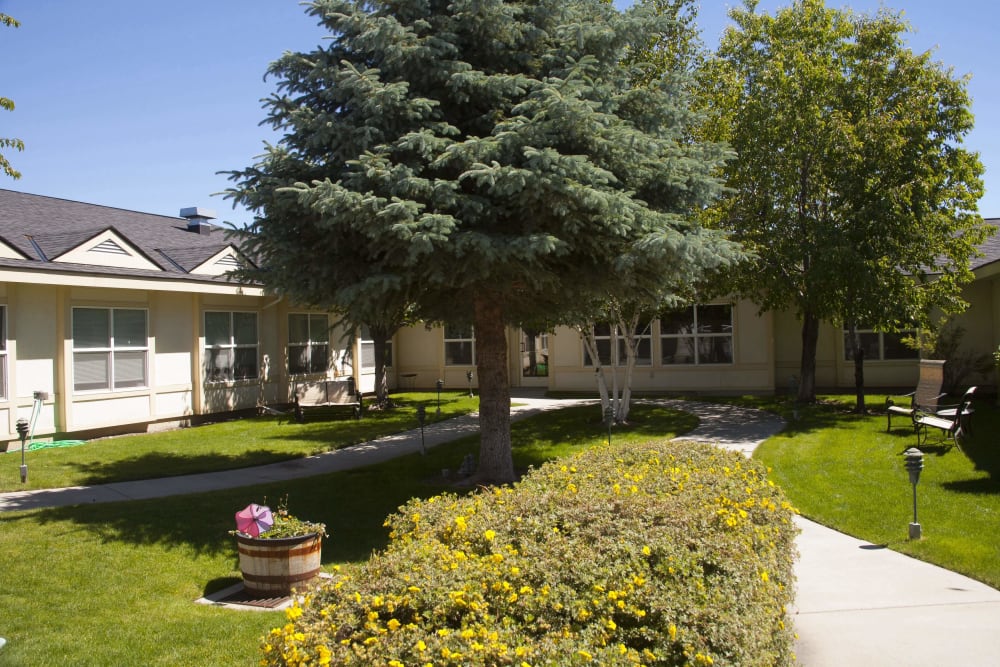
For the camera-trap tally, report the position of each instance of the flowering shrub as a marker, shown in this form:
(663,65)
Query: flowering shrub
(659,554)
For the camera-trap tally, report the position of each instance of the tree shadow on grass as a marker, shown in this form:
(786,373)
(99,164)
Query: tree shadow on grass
(169,464)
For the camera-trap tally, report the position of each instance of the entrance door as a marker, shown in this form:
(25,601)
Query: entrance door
(534,356)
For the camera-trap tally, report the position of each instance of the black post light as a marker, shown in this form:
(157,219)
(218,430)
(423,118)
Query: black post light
(440,385)
(468,376)
(22,431)
(914,462)
(609,417)
(422,418)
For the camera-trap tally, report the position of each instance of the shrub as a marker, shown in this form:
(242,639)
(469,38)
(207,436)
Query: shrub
(658,554)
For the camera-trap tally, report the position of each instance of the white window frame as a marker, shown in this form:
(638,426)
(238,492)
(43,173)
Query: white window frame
(453,335)
(3,352)
(114,352)
(697,335)
(317,337)
(613,333)
(368,350)
(866,331)
(228,372)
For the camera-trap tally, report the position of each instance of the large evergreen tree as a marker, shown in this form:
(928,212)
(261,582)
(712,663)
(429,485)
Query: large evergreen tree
(489,162)
(851,183)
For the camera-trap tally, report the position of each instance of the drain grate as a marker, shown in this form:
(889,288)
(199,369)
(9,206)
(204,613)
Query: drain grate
(245,598)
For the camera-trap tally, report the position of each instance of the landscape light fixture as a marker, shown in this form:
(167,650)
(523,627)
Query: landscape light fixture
(468,376)
(422,418)
(22,431)
(914,462)
(440,386)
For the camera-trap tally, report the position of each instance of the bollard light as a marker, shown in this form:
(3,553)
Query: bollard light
(422,418)
(22,432)
(468,376)
(609,417)
(440,385)
(914,462)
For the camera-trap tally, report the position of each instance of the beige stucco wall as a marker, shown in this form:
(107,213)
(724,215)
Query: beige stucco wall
(751,370)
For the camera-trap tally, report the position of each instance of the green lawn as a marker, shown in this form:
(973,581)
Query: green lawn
(114,584)
(845,471)
(222,446)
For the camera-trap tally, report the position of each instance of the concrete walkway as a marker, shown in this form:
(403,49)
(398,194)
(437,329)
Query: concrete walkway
(857,604)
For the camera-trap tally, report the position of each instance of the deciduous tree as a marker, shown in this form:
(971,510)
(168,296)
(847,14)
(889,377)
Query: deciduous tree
(851,184)
(8,104)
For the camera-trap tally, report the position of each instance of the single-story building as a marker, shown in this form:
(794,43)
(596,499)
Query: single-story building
(115,320)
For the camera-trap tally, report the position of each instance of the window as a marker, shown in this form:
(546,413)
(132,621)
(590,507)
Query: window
(308,344)
(230,346)
(879,346)
(459,345)
(368,350)
(603,337)
(3,353)
(697,335)
(110,348)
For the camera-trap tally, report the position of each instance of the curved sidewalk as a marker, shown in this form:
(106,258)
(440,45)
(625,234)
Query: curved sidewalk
(856,603)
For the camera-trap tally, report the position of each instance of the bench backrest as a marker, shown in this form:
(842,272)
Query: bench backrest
(326,391)
(929,385)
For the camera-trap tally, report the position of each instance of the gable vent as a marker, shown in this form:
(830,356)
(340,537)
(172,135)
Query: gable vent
(229,260)
(109,247)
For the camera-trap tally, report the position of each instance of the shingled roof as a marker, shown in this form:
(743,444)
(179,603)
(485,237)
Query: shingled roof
(52,234)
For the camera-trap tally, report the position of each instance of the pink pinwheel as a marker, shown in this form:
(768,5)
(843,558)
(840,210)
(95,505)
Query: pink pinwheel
(254,519)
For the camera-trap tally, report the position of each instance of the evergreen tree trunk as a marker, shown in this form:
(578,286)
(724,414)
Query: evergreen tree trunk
(807,366)
(381,378)
(496,463)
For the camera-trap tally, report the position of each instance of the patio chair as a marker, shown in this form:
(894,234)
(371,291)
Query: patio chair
(924,398)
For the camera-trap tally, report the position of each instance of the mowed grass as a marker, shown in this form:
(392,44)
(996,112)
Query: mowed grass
(114,584)
(846,471)
(227,445)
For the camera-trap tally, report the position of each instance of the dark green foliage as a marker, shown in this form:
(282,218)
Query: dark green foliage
(485,162)
(852,186)
(660,554)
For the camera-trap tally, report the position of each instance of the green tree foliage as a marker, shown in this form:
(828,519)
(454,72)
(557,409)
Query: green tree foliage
(8,104)
(851,186)
(486,162)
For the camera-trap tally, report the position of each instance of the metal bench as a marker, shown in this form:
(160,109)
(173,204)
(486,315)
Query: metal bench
(924,398)
(327,393)
(953,421)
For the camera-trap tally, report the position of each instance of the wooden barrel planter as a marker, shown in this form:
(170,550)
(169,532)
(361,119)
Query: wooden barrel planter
(273,567)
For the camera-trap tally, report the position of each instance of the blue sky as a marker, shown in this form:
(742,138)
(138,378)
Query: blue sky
(137,105)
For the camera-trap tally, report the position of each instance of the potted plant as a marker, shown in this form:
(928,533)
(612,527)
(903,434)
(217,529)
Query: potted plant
(278,550)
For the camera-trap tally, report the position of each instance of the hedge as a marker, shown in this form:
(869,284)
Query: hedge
(673,553)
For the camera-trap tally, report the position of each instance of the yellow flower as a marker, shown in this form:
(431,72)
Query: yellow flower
(293,612)
(585,655)
(421,646)
(393,624)
(489,535)
(764,577)
(646,551)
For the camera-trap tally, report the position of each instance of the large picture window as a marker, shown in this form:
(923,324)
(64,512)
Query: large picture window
(110,349)
(604,334)
(308,343)
(880,346)
(459,346)
(697,335)
(230,346)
